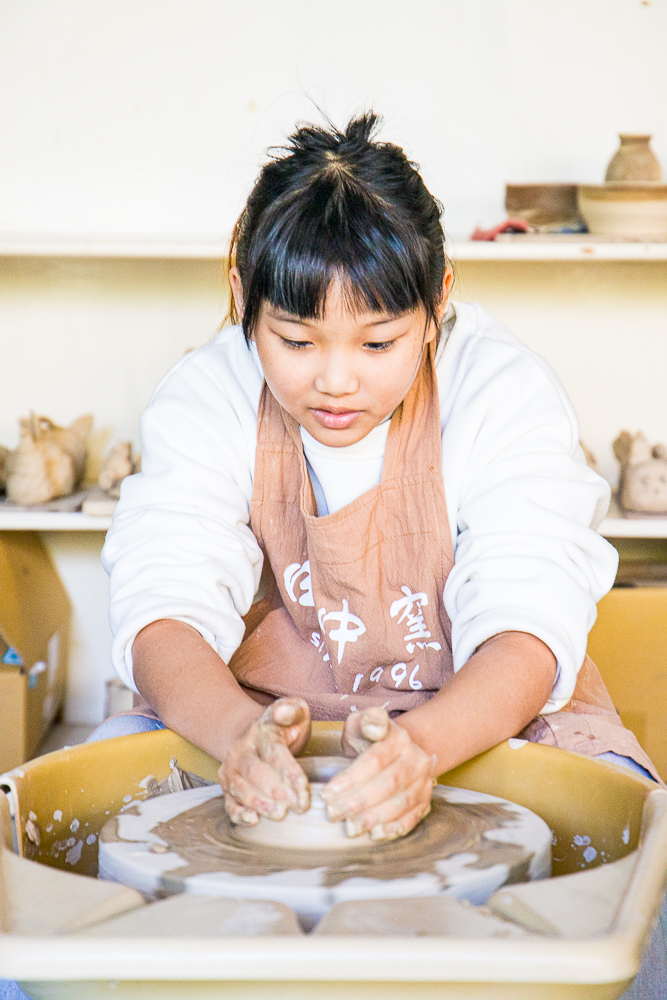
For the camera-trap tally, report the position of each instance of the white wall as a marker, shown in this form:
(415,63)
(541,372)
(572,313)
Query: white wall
(149,117)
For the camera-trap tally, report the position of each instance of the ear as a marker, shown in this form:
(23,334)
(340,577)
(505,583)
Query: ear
(83,426)
(237,289)
(447,281)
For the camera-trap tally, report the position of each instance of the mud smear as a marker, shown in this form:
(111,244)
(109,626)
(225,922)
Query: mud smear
(204,839)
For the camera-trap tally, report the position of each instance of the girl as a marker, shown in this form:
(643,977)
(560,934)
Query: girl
(403,475)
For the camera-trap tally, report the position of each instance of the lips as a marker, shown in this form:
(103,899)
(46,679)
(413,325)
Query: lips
(335,420)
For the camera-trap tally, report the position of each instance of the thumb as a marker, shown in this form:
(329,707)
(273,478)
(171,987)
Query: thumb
(286,712)
(289,717)
(364,728)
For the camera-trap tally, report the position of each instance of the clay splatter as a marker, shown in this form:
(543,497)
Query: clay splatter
(74,853)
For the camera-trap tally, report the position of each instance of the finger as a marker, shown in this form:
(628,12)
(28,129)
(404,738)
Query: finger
(399,828)
(390,815)
(243,761)
(363,728)
(369,765)
(251,798)
(274,781)
(383,799)
(272,752)
(238,813)
(291,717)
(287,712)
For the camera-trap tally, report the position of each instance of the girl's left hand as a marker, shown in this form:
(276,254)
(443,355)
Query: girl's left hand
(387,790)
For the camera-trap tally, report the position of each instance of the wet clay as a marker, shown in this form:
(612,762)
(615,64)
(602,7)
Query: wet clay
(204,839)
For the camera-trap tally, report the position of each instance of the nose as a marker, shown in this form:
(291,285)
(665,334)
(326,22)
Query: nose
(336,376)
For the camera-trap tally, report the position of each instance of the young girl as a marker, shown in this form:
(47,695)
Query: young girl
(396,476)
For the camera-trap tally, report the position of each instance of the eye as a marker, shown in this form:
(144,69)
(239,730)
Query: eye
(295,345)
(378,346)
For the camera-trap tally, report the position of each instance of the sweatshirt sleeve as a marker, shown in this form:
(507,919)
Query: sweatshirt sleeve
(180,545)
(527,555)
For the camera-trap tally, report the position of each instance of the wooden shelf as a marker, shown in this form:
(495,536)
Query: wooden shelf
(173,248)
(611,527)
(214,248)
(28,520)
(641,527)
(580,250)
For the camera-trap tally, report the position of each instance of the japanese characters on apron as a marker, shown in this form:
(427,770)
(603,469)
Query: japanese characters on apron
(353,612)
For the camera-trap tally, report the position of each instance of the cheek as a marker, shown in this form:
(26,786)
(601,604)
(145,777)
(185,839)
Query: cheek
(286,378)
(392,385)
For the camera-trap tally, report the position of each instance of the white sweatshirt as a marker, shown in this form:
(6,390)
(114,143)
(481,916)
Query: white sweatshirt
(522,503)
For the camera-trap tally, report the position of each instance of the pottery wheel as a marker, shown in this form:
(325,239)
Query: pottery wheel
(467,847)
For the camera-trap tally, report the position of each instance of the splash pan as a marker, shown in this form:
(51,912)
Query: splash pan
(579,934)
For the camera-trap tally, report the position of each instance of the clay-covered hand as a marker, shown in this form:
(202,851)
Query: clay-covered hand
(387,790)
(259,774)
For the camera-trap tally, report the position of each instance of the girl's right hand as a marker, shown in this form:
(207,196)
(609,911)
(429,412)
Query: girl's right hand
(259,774)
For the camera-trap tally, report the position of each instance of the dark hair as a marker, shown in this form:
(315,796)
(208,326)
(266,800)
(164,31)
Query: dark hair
(339,205)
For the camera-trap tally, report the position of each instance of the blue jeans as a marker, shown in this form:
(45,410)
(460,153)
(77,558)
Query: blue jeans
(651,980)
(124,725)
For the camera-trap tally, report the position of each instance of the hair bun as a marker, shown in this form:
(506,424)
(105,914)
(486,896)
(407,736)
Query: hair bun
(318,141)
(360,131)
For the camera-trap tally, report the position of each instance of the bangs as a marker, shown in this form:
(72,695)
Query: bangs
(336,232)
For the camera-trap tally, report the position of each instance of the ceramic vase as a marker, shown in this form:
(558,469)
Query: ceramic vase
(634,160)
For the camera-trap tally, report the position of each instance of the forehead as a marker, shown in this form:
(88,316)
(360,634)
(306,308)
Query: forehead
(340,308)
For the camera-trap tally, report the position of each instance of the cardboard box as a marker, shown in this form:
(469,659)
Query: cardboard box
(34,632)
(629,644)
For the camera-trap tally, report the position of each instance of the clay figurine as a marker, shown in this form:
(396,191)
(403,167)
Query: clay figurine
(643,482)
(591,460)
(4,455)
(119,464)
(49,461)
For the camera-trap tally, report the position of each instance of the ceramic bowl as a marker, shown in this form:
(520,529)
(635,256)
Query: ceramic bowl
(618,208)
(545,207)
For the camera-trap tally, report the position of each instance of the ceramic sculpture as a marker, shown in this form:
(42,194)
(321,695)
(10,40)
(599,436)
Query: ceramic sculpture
(4,455)
(625,210)
(547,208)
(49,461)
(632,203)
(591,460)
(118,465)
(643,481)
(634,160)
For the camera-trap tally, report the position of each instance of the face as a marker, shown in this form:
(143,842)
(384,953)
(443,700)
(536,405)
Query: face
(342,375)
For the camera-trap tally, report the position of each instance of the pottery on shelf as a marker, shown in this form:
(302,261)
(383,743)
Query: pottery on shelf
(4,456)
(643,482)
(547,208)
(634,160)
(622,208)
(49,461)
(118,465)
